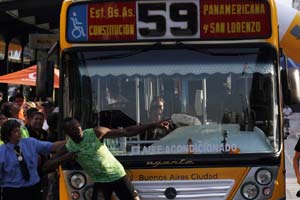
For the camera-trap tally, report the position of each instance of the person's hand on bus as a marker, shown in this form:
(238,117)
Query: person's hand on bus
(61,155)
(70,156)
(163,124)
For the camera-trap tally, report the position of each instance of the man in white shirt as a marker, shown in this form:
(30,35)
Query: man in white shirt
(287,111)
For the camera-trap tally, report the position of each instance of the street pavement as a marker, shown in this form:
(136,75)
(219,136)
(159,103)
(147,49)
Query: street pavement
(291,184)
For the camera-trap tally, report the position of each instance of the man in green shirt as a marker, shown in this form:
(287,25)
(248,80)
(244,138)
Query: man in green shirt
(95,158)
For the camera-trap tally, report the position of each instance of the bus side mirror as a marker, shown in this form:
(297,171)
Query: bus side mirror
(290,79)
(44,79)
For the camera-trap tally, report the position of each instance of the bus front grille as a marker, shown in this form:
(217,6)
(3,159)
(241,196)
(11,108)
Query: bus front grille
(184,189)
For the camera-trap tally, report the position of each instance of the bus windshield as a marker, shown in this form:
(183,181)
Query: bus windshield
(217,100)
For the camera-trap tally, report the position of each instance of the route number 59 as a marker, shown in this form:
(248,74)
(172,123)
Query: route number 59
(167,20)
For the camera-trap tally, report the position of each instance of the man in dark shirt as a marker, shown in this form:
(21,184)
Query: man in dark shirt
(35,127)
(156,112)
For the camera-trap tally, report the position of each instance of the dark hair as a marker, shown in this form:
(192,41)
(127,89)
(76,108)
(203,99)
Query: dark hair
(30,111)
(38,113)
(7,128)
(6,109)
(1,113)
(18,95)
(67,121)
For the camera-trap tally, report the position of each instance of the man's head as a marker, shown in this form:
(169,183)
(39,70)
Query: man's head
(29,114)
(10,131)
(156,108)
(72,128)
(47,107)
(3,118)
(19,99)
(37,121)
(10,109)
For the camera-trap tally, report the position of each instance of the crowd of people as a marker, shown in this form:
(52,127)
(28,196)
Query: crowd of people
(26,140)
(33,116)
(29,150)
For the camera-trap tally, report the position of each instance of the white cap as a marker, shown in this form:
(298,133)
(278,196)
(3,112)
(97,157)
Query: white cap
(184,120)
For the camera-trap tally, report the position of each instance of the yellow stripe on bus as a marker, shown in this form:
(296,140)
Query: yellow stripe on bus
(63,191)
(291,40)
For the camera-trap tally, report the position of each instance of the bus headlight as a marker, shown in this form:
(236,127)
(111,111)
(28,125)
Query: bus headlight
(75,195)
(249,191)
(77,180)
(263,176)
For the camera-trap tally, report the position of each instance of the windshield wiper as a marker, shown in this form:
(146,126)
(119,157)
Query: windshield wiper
(125,54)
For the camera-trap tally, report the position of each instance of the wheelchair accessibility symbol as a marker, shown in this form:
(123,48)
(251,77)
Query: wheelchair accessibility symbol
(78,28)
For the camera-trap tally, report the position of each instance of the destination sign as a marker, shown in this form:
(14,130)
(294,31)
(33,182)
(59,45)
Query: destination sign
(171,20)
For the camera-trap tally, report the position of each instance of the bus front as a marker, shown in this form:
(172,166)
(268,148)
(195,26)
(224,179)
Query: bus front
(214,64)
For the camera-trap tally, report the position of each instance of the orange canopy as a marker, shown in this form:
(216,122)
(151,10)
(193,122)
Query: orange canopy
(26,76)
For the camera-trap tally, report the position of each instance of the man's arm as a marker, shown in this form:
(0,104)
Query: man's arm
(296,165)
(130,130)
(61,155)
(57,145)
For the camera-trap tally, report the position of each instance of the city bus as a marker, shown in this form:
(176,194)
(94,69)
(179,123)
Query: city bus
(215,64)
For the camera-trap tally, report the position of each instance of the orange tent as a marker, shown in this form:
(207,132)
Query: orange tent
(26,76)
